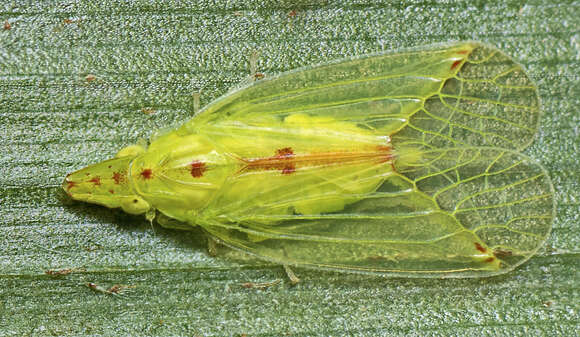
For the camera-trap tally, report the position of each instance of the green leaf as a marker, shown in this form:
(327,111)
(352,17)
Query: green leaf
(82,80)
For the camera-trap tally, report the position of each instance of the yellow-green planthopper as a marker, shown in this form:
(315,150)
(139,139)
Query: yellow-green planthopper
(405,163)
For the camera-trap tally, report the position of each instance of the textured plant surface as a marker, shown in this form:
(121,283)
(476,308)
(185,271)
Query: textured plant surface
(81,80)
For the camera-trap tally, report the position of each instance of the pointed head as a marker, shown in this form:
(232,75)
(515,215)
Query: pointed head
(106,183)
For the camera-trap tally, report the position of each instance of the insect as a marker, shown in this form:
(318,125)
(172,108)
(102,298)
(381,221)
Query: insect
(405,163)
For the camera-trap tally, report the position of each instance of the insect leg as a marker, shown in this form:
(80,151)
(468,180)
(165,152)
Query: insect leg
(254,73)
(212,246)
(196,95)
(291,276)
(170,223)
(260,286)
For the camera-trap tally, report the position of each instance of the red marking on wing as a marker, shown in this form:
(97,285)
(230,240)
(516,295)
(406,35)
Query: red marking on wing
(480,247)
(455,64)
(112,191)
(147,174)
(384,154)
(491,259)
(197,169)
(96,180)
(118,177)
(463,52)
(285,152)
(288,162)
(283,161)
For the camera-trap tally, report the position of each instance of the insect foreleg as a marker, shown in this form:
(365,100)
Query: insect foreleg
(170,223)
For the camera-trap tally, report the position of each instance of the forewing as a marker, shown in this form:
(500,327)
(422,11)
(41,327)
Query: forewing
(456,212)
(461,94)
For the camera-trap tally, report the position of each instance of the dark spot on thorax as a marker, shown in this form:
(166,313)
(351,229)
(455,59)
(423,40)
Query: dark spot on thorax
(197,169)
(147,174)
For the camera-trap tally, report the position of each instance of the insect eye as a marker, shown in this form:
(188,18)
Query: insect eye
(135,205)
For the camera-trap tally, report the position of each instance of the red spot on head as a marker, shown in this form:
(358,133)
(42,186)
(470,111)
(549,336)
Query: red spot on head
(197,169)
(147,174)
(285,152)
(491,259)
(70,184)
(455,64)
(96,180)
(7,25)
(463,52)
(118,177)
(480,247)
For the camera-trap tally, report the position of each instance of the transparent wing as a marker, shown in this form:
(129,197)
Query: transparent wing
(456,212)
(489,102)
(446,200)
(440,96)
